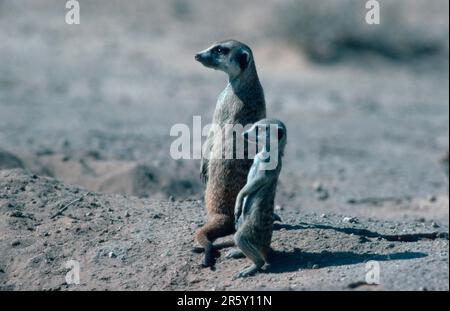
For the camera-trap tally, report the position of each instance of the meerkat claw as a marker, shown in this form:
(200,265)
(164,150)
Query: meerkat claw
(250,271)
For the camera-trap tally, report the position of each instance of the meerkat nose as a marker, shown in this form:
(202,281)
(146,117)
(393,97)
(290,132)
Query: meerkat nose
(197,56)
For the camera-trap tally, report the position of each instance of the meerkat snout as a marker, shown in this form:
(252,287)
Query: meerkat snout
(230,56)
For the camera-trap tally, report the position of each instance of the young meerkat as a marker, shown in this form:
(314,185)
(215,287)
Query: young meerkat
(241,103)
(255,202)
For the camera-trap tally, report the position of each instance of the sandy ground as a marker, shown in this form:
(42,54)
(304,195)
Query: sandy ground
(128,243)
(91,107)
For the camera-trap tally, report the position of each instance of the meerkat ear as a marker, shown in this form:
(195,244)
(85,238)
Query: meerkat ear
(243,59)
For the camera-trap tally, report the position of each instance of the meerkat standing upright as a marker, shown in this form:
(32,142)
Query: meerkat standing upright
(241,103)
(255,202)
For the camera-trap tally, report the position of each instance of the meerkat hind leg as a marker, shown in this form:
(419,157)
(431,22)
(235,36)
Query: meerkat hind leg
(253,254)
(208,260)
(220,225)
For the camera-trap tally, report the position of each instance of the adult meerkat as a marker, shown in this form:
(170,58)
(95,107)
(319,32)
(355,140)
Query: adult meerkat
(241,103)
(255,202)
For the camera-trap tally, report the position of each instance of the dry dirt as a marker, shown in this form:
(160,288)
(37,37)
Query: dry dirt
(129,243)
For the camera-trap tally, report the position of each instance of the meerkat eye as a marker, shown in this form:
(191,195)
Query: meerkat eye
(221,51)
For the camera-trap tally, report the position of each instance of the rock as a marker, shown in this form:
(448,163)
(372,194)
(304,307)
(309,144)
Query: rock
(323,195)
(112,255)
(435,225)
(318,187)
(171,198)
(432,199)
(127,214)
(323,216)
(15,243)
(9,161)
(315,266)
(351,220)
(278,208)
(88,214)
(17,214)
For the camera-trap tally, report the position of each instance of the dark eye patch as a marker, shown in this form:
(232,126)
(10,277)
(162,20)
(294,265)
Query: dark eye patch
(221,50)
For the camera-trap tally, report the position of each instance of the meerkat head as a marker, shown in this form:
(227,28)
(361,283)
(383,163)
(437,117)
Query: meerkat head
(267,132)
(230,56)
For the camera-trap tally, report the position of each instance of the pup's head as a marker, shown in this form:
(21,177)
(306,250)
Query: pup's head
(230,56)
(268,132)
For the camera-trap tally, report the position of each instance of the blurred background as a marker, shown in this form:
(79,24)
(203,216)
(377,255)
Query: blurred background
(366,106)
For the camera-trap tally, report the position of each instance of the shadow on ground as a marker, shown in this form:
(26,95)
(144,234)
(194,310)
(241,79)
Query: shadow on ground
(283,261)
(293,261)
(364,233)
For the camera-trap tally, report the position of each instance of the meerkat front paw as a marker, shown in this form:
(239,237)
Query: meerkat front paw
(235,254)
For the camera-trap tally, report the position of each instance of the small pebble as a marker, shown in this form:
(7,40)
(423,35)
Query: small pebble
(15,243)
(323,195)
(112,255)
(318,187)
(352,220)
